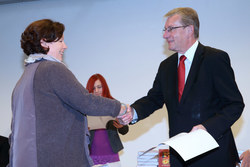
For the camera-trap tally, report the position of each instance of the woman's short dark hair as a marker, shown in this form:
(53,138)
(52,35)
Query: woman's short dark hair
(45,29)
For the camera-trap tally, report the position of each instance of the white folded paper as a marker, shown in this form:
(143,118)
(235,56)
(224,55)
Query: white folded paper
(190,145)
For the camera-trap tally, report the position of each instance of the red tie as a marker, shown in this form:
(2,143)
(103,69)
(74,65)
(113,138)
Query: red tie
(181,76)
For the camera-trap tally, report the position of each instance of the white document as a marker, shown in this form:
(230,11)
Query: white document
(190,145)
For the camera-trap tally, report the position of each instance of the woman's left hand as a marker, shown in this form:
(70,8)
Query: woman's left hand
(117,124)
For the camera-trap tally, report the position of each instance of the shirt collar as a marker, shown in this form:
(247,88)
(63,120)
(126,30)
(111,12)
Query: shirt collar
(190,52)
(38,56)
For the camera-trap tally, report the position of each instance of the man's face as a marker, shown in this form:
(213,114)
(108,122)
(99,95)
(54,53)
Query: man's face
(176,34)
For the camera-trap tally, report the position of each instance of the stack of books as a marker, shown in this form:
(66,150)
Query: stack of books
(164,158)
(150,159)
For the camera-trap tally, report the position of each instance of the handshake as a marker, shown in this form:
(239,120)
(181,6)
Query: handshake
(126,114)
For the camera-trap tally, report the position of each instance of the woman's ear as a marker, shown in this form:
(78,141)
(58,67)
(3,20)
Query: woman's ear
(43,43)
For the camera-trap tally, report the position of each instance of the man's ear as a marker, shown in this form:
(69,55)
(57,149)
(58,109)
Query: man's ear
(43,43)
(190,29)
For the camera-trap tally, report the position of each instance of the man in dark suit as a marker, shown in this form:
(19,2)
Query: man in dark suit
(209,98)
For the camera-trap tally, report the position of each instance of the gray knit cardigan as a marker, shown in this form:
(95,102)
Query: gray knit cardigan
(49,125)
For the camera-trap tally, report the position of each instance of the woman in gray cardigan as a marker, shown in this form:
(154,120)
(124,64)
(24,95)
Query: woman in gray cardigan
(49,105)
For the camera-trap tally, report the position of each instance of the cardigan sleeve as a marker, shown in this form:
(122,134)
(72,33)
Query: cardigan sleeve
(61,81)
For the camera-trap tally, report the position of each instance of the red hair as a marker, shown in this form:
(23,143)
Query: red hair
(105,88)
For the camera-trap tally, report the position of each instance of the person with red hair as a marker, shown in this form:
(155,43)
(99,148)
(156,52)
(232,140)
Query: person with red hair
(105,142)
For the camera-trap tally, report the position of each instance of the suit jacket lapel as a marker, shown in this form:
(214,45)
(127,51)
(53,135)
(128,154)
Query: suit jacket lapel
(172,76)
(174,66)
(193,70)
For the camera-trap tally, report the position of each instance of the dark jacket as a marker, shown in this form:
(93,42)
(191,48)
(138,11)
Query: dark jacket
(4,151)
(113,136)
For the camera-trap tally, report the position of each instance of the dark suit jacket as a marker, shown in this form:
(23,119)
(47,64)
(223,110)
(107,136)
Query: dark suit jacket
(210,97)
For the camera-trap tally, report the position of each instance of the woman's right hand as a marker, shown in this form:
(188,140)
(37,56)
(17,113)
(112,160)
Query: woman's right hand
(123,110)
(127,117)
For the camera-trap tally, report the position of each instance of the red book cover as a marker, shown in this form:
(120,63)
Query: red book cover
(164,158)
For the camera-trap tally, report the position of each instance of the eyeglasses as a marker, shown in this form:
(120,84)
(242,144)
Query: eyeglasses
(169,29)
